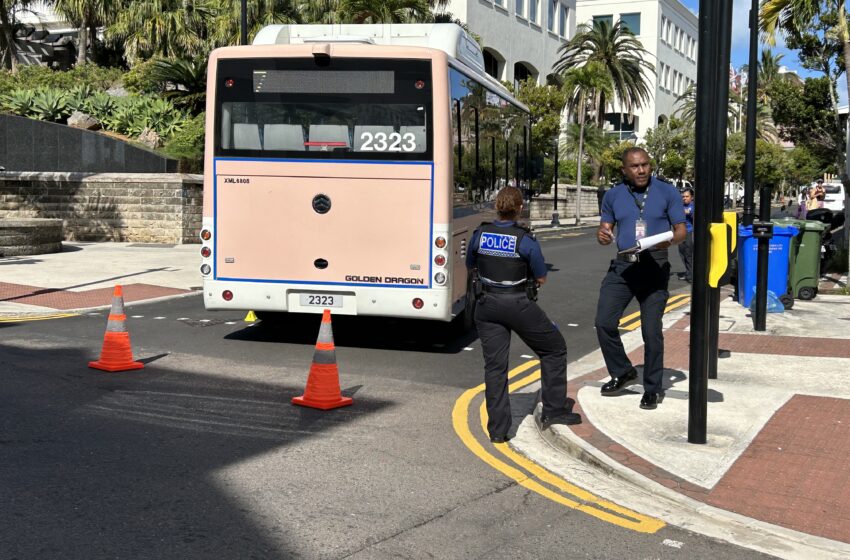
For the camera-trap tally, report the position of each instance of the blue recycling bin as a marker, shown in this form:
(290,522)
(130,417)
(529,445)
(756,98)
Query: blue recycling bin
(777,262)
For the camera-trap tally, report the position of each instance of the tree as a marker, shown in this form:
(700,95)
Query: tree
(804,115)
(585,85)
(385,11)
(798,18)
(225,27)
(165,28)
(765,127)
(669,144)
(8,51)
(621,57)
(86,15)
(545,104)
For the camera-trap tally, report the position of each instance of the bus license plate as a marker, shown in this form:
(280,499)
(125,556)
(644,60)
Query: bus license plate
(321,300)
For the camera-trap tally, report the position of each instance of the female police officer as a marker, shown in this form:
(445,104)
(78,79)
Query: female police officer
(507,258)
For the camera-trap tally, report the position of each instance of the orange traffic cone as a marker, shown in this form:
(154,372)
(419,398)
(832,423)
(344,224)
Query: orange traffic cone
(116,354)
(322,389)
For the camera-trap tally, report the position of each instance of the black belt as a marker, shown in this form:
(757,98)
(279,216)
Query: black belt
(503,289)
(629,257)
(660,255)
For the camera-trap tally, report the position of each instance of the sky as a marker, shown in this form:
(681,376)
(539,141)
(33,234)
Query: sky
(741,44)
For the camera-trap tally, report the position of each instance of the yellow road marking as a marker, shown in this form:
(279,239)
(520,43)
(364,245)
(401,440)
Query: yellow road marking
(25,318)
(682,300)
(588,503)
(675,299)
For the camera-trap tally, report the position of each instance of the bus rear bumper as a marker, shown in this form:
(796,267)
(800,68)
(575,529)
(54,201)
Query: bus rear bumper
(355,300)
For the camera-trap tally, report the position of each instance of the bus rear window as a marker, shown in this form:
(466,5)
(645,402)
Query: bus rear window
(341,109)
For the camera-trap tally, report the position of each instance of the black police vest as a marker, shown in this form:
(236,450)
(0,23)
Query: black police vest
(498,258)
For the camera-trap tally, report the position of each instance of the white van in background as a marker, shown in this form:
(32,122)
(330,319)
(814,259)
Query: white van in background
(834,199)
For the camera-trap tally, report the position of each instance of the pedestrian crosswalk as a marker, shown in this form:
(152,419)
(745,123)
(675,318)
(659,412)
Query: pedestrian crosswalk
(561,235)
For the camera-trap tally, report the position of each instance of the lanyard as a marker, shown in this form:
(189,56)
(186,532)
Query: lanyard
(640,205)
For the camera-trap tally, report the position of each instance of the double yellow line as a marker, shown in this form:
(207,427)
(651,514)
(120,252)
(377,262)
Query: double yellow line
(531,475)
(674,302)
(25,318)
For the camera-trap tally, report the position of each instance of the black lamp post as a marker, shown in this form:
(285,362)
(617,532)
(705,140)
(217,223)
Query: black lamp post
(244,26)
(555,221)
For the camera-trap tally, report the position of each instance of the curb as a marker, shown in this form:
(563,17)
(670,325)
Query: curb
(713,522)
(606,475)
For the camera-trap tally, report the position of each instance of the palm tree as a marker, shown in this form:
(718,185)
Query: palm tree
(765,128)
(585,86)
(792,16)
(86,15)
(385,11)
(166,28)
(8,50)
(224,25)
(620,55)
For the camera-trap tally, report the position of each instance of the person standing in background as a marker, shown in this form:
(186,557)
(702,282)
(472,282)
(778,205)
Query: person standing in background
(686,247)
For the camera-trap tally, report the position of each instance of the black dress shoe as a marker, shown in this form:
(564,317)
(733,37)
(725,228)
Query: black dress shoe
(568,419)
(649,401)
(616,385)
(500,439)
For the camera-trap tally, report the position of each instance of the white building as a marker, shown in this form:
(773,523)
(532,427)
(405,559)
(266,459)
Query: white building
(520,37)
(669,32)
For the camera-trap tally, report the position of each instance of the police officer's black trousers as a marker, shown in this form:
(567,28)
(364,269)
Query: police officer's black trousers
(647,281)
(496,315)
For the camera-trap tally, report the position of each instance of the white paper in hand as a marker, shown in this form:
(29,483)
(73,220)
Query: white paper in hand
(648,243)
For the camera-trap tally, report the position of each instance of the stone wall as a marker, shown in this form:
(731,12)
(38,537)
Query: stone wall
(543,206)
(135,207)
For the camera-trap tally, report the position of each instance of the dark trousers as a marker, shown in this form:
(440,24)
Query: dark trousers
(647,281)
(496,316)
(686,252)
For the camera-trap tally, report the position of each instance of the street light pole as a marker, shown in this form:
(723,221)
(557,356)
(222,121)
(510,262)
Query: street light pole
(555,220)
(244,22)
(750,151)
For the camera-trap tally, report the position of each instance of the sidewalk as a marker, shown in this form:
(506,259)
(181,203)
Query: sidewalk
(774,475)
(83,276)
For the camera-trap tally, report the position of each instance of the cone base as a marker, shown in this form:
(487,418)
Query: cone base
(116,367)
(310,403)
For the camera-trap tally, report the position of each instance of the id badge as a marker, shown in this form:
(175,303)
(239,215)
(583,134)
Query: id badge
(640,230)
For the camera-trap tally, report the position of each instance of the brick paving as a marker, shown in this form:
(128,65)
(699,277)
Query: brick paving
(58,298)
(794,474)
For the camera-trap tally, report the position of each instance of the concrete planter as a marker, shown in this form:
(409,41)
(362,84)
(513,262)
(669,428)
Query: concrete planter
(32,236)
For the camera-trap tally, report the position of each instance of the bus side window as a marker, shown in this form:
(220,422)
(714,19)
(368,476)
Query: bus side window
(374,139)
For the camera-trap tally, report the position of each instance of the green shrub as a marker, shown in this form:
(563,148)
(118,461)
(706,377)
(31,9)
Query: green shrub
(142,78)
(187,145)
(97,77)
(50,104)
(18,102)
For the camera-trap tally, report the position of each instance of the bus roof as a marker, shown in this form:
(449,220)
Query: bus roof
(447,37)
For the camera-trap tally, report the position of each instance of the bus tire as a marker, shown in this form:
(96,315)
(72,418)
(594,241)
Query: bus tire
(467,318)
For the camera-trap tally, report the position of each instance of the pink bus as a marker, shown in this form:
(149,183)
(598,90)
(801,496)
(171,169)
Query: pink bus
(347,166)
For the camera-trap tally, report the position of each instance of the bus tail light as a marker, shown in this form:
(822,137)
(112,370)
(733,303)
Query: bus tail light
(440,260)
(205,269)
(440,242)
(206,234)
(227,295)
(418,303)
(206,252)
(440,278)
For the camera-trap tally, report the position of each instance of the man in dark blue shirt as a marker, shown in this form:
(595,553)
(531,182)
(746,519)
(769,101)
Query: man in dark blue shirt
(506,257)
(639,207)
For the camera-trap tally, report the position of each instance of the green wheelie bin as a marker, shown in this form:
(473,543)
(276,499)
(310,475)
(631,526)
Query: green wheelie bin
(804,257)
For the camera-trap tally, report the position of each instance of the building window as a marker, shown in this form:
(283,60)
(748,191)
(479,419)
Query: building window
(532,10)
(631,22)
(500,3)
(491,65)
(553,10)
(598,20)
(520,7)
(663,27)
(667,78)
(562,20)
